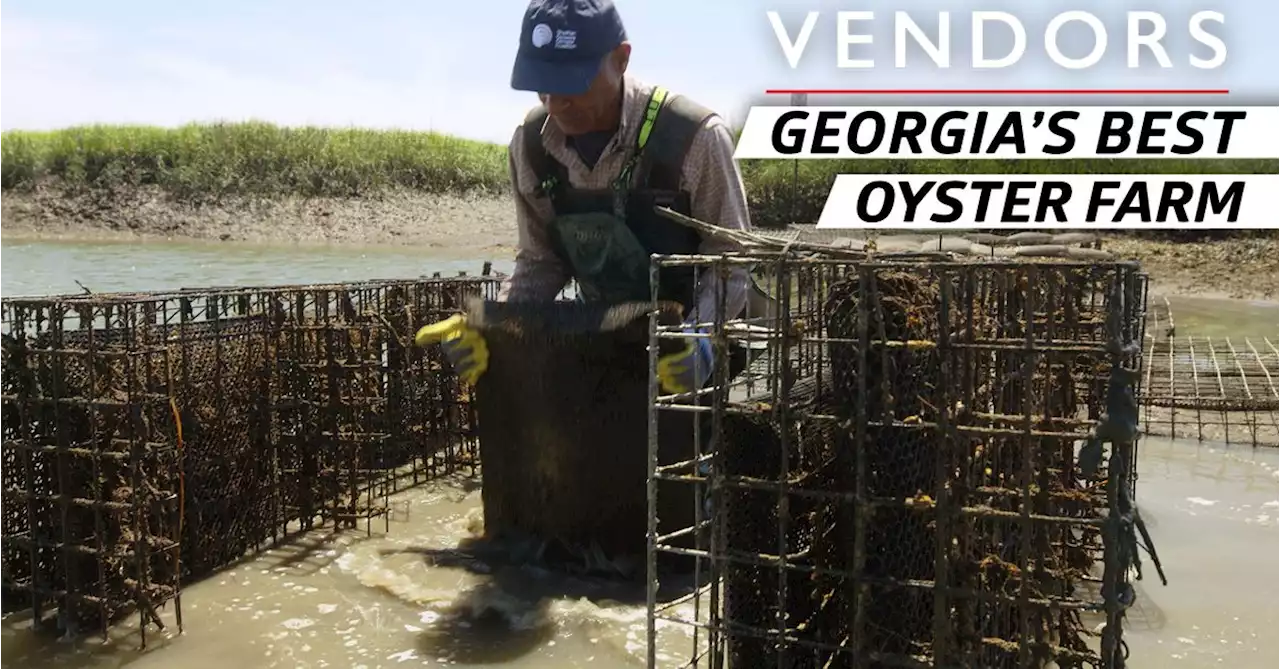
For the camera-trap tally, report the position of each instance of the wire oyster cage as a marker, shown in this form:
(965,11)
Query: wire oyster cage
(930,462)
(150,439)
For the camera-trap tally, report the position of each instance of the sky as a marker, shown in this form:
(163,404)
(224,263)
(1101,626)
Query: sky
(446,66)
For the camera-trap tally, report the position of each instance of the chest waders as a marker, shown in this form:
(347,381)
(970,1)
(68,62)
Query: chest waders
(605,236)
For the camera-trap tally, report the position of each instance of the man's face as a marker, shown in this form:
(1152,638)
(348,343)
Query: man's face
(597,107)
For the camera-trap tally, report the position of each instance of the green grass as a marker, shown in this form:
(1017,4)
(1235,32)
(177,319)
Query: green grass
(199,162)
(203,162)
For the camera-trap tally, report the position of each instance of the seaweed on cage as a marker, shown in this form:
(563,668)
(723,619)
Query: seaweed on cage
(954,403)
(16,380)
(817,607)
(89,479)
(1039,390)
(898,387)
(222,386)
(433,418)
(220,379)
(771,532)
(280,394)
(959,394)
(333,415)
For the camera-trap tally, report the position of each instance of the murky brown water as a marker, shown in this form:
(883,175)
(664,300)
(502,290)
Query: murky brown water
(357,601)
(52,268)
(1212,512)
(351,600)
(1237,319)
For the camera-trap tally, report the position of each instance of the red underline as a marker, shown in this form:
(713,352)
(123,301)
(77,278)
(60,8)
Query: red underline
(998,91)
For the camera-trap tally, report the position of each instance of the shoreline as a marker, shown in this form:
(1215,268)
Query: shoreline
(491,252)
(395,218)
(482,226)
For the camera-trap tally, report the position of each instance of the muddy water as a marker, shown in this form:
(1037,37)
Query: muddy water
(403,598)
(1212,511)
(1237,319)
(51,268)
(393,599)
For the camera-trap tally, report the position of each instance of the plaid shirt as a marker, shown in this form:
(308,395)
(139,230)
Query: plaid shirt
(710,175)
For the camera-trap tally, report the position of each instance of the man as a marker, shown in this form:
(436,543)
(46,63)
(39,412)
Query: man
(589,165)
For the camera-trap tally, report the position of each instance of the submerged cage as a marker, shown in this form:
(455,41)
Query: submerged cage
(932,464)
(1218,389)
(150,439)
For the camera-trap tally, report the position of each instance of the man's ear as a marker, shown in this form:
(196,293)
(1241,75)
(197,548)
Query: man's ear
(622,57)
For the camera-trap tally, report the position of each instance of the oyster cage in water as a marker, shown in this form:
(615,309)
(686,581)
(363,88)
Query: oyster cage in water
(151,439)
(931,465)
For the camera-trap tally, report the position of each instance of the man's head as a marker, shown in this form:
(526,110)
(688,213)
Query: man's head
(573,54)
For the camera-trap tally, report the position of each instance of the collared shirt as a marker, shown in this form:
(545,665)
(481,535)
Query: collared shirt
(709,174)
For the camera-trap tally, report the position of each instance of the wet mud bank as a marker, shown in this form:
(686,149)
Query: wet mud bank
(484,224)
(452,222)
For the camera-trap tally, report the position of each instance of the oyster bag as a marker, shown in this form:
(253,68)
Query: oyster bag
(563,426)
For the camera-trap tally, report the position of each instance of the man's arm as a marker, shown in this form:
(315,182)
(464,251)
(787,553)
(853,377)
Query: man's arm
(538,276)
(718,197)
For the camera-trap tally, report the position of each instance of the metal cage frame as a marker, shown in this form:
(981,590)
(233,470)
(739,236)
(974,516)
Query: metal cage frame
(1087,321)
(153,438)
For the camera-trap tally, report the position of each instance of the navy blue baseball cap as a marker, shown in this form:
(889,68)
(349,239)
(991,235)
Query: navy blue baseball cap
(563,43)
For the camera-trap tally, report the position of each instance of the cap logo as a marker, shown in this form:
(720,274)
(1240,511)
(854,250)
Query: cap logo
(566,39)
(541,35)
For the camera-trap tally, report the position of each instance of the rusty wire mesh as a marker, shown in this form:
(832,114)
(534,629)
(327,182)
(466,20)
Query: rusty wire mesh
(90,468)
(1209,388)
(912,474)
(150,439)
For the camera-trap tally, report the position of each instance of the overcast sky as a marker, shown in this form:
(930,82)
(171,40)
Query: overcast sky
(447,65)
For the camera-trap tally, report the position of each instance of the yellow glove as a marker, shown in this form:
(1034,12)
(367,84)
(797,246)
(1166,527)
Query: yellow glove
(463,346)
(689,369)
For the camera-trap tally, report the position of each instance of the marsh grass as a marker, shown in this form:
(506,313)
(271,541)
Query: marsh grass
(196,162)
(202,162)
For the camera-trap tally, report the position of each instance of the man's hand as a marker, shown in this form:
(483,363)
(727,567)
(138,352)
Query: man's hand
(689,369)
(463,346)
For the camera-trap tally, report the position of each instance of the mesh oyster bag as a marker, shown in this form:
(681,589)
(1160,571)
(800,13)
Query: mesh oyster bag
(563,427)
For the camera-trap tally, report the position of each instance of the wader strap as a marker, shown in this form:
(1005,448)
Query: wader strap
(661,165)
(626,176)
(656,100)
(552,176)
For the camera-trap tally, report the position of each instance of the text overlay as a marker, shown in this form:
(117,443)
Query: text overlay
(1062,201)
(1010,132)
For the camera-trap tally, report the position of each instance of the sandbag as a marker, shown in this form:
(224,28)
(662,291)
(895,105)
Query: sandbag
(1031,238)
(1089,254)
(946,245)
(849,243)
(1042,251)
(977,249)
(986,238)
(1068,238)
(897,244)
